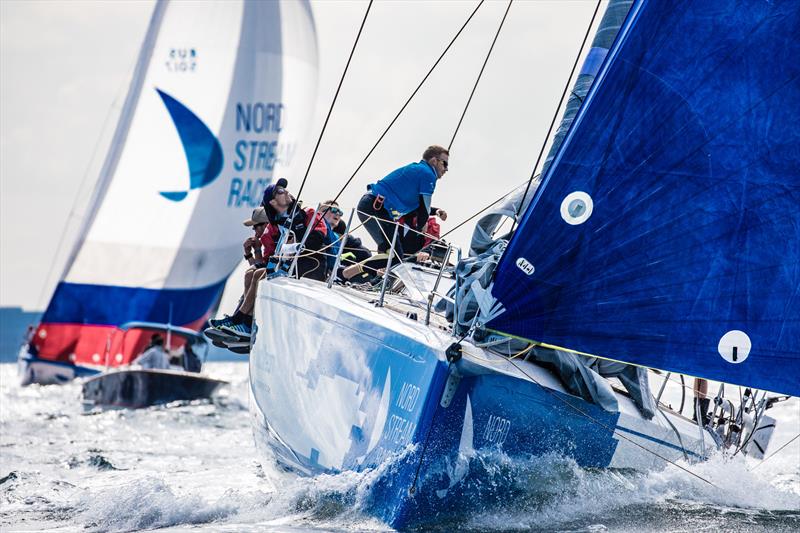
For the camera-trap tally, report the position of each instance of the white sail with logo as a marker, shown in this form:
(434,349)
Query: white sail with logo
(221,96)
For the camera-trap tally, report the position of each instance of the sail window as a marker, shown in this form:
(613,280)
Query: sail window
(734,346)
(576,208)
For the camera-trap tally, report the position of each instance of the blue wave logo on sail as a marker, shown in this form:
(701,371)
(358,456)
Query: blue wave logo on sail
(203,150)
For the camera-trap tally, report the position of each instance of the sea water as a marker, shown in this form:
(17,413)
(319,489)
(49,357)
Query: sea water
(193,466)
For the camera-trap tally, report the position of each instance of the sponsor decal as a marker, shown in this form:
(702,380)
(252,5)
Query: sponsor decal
(257,151)
(525,265)
(201,147)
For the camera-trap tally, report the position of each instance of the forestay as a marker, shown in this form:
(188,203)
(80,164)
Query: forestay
(666,233)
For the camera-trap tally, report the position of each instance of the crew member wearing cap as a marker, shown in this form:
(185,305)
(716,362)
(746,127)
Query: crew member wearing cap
(242,318)
(353,252)
(405,191)
(252,245)
(280,207)
(269,221)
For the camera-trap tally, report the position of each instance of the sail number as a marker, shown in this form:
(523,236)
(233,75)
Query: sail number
(496,430)
(182,60)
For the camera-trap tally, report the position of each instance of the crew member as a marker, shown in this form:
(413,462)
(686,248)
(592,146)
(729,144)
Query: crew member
(407,190)
(154,356)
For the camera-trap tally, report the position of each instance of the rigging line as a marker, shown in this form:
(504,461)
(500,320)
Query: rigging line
(475,86)
(555,115)
(453,40)
(333,103)
(606,427)
(774,454)
(509,193)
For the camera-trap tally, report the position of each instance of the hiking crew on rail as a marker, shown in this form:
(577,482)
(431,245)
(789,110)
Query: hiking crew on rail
(403,196)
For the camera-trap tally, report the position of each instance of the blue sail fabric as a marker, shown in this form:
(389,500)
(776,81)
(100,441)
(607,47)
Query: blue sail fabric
(667,231)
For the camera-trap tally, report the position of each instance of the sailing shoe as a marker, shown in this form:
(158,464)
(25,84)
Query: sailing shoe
(218,343)
(219,322)
(242,331)
(241,350)
(216,334)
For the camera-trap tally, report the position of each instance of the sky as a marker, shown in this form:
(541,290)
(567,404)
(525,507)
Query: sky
(65,69)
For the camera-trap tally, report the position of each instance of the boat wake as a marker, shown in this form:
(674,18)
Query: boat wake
(542,493)
(148,504)
(194,466)
(553,492)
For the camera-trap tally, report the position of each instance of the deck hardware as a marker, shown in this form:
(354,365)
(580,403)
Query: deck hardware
(450,388)
(387,273)
(436,285)
(663,385)
(453,352)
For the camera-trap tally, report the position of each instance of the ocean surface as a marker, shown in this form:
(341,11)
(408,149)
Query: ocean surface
(194,467)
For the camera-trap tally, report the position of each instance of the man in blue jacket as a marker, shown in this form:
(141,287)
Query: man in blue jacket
(407,190)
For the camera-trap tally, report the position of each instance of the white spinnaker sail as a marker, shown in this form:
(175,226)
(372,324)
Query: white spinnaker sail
(141,239)
(221,97)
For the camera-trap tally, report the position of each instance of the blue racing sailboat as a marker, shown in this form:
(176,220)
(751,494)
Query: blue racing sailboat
(664,234)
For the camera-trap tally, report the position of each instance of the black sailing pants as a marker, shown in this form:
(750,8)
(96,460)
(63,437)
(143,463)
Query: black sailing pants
(380,230)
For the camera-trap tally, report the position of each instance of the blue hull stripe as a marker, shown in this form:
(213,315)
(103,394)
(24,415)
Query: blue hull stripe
(80,371)
(659,441)
(75,303)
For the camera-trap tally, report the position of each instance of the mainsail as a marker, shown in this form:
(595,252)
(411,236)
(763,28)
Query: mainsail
(221,96)
(666,232)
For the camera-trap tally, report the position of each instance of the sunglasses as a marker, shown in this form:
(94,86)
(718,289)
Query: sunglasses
(259,225)
(336,211)
(278,190)
(444,163)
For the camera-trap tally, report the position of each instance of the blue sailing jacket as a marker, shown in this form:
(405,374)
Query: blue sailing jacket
(402,188)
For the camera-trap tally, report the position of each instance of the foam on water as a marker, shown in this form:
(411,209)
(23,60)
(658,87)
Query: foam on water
(195,467)
(559,494)
(146,504)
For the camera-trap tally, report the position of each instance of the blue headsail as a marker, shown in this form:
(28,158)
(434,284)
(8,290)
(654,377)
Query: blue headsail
(666,233)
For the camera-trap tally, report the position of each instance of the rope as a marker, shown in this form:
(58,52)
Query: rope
(555,115)
(330,109)
(606,427)
(776,453)
(489,53)
(453,40)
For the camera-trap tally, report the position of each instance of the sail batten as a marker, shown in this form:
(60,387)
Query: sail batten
(666,233)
